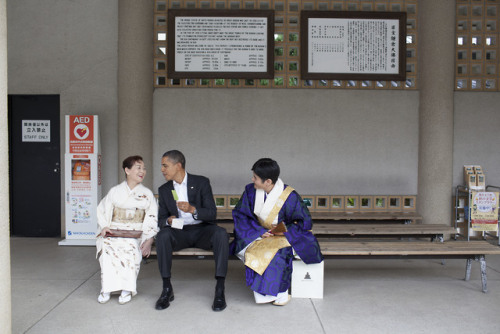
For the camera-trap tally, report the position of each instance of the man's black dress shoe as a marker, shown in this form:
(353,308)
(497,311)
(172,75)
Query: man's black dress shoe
(219,301)
(167,295)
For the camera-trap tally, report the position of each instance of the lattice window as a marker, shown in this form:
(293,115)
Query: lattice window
(286,42)
(477,46)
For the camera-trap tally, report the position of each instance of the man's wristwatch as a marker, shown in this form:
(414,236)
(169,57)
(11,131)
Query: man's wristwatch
(195,214)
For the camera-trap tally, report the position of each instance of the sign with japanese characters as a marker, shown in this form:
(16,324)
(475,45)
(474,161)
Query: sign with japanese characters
(220,44)
(484,211)
(82,179)
(357,46)
(36,131)
(81,134)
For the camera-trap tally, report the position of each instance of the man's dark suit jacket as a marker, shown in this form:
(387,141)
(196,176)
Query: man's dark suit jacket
(199,195)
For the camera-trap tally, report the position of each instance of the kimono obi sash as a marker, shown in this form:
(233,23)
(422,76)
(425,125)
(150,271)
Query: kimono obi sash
(128,216)
(261,252)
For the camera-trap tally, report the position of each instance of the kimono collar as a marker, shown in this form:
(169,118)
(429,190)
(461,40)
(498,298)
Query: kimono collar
(131,191)
(262,208)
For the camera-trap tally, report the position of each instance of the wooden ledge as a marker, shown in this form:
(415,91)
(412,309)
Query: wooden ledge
(324,228)
(379,229)
(387,248)
(401,248)
(330,215)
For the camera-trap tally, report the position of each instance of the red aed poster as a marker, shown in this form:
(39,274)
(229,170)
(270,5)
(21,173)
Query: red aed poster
(82,179)
(81,134)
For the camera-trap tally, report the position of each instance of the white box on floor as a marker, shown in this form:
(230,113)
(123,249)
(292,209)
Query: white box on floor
(307,280)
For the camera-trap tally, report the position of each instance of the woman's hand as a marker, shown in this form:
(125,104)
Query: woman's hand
(104,231)
(146,247)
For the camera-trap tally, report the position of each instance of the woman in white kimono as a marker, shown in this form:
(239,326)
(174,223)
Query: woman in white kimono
(128,206)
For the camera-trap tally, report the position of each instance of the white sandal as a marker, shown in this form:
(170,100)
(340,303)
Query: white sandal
(282,303)
(103,297)
(125,298)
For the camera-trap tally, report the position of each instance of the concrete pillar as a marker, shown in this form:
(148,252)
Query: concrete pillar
(436,54)
(135,83)
(5,290)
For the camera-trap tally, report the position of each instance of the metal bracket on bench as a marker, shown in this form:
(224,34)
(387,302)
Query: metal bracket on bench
(482,261)
(438,237)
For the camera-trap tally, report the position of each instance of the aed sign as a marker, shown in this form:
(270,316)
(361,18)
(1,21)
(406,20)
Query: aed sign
(36,131)
(82,179)
(81,134)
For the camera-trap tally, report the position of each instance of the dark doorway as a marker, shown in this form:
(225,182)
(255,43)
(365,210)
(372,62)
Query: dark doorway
(35,176)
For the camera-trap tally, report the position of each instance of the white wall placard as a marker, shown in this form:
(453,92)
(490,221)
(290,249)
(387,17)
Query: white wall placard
(220,44)
(229,44)
(353,46)
(36,130)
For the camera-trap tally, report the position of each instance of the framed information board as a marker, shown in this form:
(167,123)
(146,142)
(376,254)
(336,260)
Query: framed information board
(353,45)
(220,44)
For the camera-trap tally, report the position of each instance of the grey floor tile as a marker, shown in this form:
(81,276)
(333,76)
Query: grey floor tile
(54,290)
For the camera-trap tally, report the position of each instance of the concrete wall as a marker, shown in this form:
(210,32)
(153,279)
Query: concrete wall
(69,48)
(477,135)
(326,141)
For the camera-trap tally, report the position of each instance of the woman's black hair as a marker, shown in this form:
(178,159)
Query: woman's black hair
(130,161)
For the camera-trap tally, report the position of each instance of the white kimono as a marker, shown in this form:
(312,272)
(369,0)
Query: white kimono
(120,258)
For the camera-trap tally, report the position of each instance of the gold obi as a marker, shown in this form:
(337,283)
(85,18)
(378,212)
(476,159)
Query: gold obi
(128,216)
(261,252)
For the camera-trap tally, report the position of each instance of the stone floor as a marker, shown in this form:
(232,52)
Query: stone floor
(54,290)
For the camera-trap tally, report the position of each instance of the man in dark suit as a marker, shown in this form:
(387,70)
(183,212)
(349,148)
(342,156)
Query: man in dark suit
(186,218)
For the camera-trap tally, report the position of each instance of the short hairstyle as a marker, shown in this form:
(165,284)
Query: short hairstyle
(130,161)
(175,156)
(267,168)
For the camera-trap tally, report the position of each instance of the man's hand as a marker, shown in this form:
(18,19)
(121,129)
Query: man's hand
(186,207)
(266,235)
(169,219)
(146,247)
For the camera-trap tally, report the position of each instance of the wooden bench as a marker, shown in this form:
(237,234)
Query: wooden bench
(382,230)
(326,226)
(327,229)
(394,216)
(469,250)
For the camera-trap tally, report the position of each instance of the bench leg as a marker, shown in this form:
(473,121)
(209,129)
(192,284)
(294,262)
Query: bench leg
(467,269)
(439,238)
(482,261)
(484,281)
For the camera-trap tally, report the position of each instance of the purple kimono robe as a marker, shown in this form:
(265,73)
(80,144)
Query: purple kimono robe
(295,215)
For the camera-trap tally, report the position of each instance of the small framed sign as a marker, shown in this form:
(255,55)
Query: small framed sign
(36,131)
(353,45)
(220,44)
